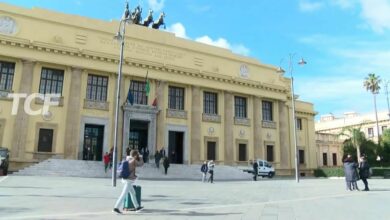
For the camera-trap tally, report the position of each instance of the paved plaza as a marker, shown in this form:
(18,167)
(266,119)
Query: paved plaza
(32,197)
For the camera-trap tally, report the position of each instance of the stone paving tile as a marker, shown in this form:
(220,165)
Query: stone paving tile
(23,197)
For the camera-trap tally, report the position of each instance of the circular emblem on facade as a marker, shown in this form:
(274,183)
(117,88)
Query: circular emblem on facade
(47,116)
(7,25)
(244,71)
(242,133)
(211,130)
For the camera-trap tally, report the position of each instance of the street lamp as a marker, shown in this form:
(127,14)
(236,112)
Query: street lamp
(387,82)
(120,36)
(280,70)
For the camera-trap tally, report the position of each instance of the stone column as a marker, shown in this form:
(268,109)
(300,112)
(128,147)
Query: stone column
(257,124)
(20,131)
(161,106)
(284,135)
(72,124)
(228,128)
(196,118)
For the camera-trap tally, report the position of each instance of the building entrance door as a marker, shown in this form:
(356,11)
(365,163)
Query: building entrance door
(175,147)
(138,137)
(93,142)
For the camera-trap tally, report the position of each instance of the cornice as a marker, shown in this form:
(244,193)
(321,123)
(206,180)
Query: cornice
(109,58)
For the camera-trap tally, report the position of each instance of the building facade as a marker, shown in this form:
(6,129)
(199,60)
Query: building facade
(329,150)
(196,101)
(367,123)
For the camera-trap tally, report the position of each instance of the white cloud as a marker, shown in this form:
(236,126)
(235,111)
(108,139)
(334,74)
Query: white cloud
(221,42)
(180,31)
(310,6)
(377,14)
(156,5)
(344,4)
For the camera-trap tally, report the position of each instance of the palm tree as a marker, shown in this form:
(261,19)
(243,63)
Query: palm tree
(371,83)
(356,136)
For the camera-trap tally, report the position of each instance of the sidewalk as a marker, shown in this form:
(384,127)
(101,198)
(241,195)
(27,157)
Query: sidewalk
(28,197)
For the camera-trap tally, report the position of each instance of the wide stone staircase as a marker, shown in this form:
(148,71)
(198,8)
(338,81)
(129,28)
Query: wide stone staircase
(95,169)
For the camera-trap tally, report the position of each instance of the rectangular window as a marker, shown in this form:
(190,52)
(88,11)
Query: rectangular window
(334,158)
(242,152)
(325,159)
(299,123)
(210,103)
(270,153)
(301,156)
(370,132)
(384,128)
(176,98)
(45,141)
(138,91)
(240,107)
(51,81)
(211,150)
(267,110)
(6,75)
(97,88)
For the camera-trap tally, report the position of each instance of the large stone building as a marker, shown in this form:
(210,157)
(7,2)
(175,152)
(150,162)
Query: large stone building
(204,102)
(328,130)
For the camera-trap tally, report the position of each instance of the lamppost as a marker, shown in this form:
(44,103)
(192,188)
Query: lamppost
(387,82)
(290,68)
(120,36)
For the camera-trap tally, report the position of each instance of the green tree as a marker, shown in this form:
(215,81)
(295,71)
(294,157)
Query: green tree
(386,137)
(371,83)
(355,139)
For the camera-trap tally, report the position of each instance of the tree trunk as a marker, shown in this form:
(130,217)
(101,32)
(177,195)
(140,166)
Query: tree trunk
(376,117)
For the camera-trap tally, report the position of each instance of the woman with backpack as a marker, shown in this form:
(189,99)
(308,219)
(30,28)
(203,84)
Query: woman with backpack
(127,173)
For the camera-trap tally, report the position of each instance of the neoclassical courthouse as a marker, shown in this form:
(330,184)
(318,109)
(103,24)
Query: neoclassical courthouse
(204,102)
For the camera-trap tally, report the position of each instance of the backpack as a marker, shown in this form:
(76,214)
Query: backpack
(123,170)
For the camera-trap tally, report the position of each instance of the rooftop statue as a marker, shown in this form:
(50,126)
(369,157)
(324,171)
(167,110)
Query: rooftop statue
(136,15)
(159,22)
(149,19)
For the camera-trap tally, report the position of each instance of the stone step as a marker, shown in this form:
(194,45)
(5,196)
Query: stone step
(80,168)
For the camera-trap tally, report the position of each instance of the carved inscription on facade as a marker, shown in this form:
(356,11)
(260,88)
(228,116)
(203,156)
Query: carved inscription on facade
(145,49)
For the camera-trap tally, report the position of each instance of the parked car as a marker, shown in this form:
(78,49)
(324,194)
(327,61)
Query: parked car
(4,160)
(265,168)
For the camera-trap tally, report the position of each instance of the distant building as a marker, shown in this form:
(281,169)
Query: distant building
(204,102)
(367,122)
(329,150)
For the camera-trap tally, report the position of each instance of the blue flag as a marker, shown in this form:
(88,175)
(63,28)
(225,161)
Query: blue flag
(130,98)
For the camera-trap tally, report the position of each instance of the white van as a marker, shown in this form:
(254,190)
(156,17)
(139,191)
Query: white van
(265,168)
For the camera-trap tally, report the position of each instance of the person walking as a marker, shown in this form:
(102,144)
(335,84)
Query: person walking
(157,158)
(350,173)
(204,170)
(364,171)
(106,161)
(128,179)
(255,170)
(210,166)
(166,164)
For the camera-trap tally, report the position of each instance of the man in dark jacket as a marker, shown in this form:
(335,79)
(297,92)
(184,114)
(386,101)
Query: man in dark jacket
(351,175)
(166,164)
(364,171)
(255,170)
(204,170)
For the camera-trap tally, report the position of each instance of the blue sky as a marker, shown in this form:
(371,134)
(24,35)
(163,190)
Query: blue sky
(342,40)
